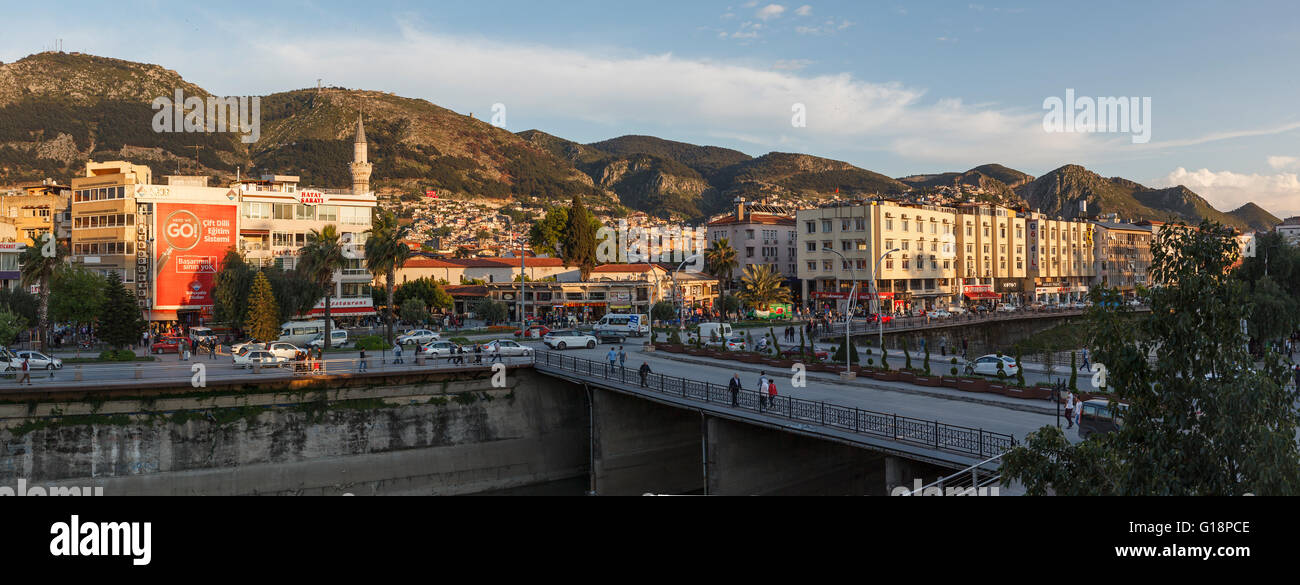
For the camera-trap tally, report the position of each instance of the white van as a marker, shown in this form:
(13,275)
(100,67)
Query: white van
(623,323)
(707,330)
(300,333)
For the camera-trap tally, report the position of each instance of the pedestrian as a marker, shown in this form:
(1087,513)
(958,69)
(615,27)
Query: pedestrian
(963,348)
(478,354)
(762,391)
(644,371)
(212,349)
(397,353)
(1069,409)
(622,358)
(1084,366)
(361,366)
(734,387)
(612,356)
(771,392)
(26,373)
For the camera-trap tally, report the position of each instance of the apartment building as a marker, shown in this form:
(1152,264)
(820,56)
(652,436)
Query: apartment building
(1061,258)
(488,270)
(760,234)
(1123,255)
(34,208)
(1290,229)
(991,254)
(695,289)
(918,274)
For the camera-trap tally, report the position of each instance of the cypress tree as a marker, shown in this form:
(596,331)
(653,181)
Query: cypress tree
(927,359)
(907,355)
(263,312)
(579,240)
(1074,372)
(120,322)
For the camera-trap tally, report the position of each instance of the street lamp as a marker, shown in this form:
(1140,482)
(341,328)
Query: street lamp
(848,317)
(880,317)
(681,307)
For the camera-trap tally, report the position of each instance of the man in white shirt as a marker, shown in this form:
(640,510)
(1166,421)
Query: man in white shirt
(762,390)
(1069,409)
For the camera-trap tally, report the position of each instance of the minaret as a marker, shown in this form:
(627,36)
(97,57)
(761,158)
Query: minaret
(360,166)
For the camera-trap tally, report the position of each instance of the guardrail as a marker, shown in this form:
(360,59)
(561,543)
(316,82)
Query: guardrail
(927,433)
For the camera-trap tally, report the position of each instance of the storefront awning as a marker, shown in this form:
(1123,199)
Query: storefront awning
(982,295)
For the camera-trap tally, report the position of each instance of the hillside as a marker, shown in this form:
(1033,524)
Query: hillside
(991,183)
(705,160)
(1060,191)
(1255,217)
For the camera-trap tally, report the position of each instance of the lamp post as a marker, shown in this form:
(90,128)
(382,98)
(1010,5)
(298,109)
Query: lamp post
(848,317)
(880,317)
(681,306)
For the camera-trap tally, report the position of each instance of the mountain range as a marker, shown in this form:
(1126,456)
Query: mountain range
(58,110)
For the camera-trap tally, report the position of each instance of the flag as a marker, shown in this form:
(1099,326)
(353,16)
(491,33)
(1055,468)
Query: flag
(431,193)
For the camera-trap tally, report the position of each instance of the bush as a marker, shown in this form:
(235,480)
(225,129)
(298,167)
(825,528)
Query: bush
(838,357)
(117,355)
(372,342)
(953,371)
(459,340)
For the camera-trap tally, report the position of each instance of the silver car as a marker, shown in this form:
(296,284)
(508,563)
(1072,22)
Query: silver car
(37,360)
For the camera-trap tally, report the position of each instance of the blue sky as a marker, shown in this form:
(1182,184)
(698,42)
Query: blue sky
(895,87)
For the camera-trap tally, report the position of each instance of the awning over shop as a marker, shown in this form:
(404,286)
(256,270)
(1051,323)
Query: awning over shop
(982,295)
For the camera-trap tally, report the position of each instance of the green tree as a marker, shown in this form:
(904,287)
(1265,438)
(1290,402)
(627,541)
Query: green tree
(1074,371)
(385,253)
(720,261)
(230,291)
(1020,371)
(19,302)
(76,296)
(38,268)
(295,294)
(926,364)
(414,310)
(490,311)
(579,239)
(322,256)
(1204,418)
(907,355)
(761,286)
(663,311)
(120,320)
(10,326)
(263,312)
(544,236)
(427,290)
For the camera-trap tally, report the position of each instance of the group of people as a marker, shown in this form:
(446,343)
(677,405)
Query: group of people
(766,390)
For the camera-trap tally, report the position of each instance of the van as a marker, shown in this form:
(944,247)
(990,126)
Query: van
(300,333)
(1100,416)
(202,334)
(707,331)
(623,324)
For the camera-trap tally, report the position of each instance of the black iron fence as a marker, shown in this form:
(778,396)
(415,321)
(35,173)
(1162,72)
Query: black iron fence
(929,433)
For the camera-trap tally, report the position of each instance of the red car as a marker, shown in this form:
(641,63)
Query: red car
(873,317)
(537,331)
(168,345)
(794,353)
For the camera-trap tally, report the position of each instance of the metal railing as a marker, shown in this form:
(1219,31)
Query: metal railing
(927,433)
(971,481)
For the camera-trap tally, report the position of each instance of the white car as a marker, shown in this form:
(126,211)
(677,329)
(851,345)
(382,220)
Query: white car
(260,358)
(988,366)
(507,347)
(1079,305)
(417,336)
(957,310)
(338,338)
(285,350)
(437,348)
(736,344)
(939,314)
(569,338)
(1005,308)
(37,360)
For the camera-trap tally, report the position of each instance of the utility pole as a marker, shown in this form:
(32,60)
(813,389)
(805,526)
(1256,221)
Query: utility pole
(197,166)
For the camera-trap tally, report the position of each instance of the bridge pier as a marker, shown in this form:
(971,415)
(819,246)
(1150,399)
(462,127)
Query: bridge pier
(640,446)
(900,472)
(744,459)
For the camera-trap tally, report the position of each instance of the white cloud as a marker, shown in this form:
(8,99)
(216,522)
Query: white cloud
(791,64)
(770,11)
(826,28)
(1225,190)
(1284,162)
(804,10)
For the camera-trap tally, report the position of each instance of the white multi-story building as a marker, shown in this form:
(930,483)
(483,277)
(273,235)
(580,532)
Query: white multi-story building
(760,234)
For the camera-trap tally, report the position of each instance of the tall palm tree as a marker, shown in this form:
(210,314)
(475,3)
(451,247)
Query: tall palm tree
(720,259)
(761,286)
(38,267)
(385,253)
(321,258)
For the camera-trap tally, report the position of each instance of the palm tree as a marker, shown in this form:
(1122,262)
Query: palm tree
(761,286)
(721,262)
(38,268)
(385,253)
(321,258)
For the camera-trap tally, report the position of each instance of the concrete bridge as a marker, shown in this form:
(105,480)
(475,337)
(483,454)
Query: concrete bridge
(677,435)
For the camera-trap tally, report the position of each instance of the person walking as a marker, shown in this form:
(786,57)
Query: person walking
(26,373)
(212,349)
(622,358)
(644,370)
(963,348)
(397,353)
(762,390)
(478,354)
(771,392)
(1084,366)
(1069,409)
(612,357)
(734,387)
(361,366)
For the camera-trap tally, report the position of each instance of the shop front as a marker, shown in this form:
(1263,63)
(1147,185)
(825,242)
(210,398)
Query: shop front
(1011,292)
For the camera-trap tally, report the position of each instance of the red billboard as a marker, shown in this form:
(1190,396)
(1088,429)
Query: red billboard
(191,241)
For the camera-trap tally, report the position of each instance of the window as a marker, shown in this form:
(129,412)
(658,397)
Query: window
(846,245)
(844,225)
(283,210)
(812,226)
(307,212)
(860,224)
(749,234)
(749,251)
(889,264)
(812,266)
(812,246)
(826,265)
(889,224)
(826,226)
(905,224)
(889,244)
(257,210)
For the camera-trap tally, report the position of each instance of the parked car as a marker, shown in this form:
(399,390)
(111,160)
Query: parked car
(507,347)
(940,314)
(37,360)
(533,331)
(735,344)
(610,336)
(260,358)
(957,310)
(437,348)
(244,346)
(285,350)
(338,338)
(988,366)
(569,338)
(202,335)
(1080,305)
(168,345)
(873,318)
(794,353)
(417,337)
(1007,308)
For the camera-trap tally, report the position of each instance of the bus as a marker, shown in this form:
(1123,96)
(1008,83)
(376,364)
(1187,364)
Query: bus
(1099,415)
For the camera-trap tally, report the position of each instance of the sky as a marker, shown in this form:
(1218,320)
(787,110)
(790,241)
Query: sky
(896,87)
